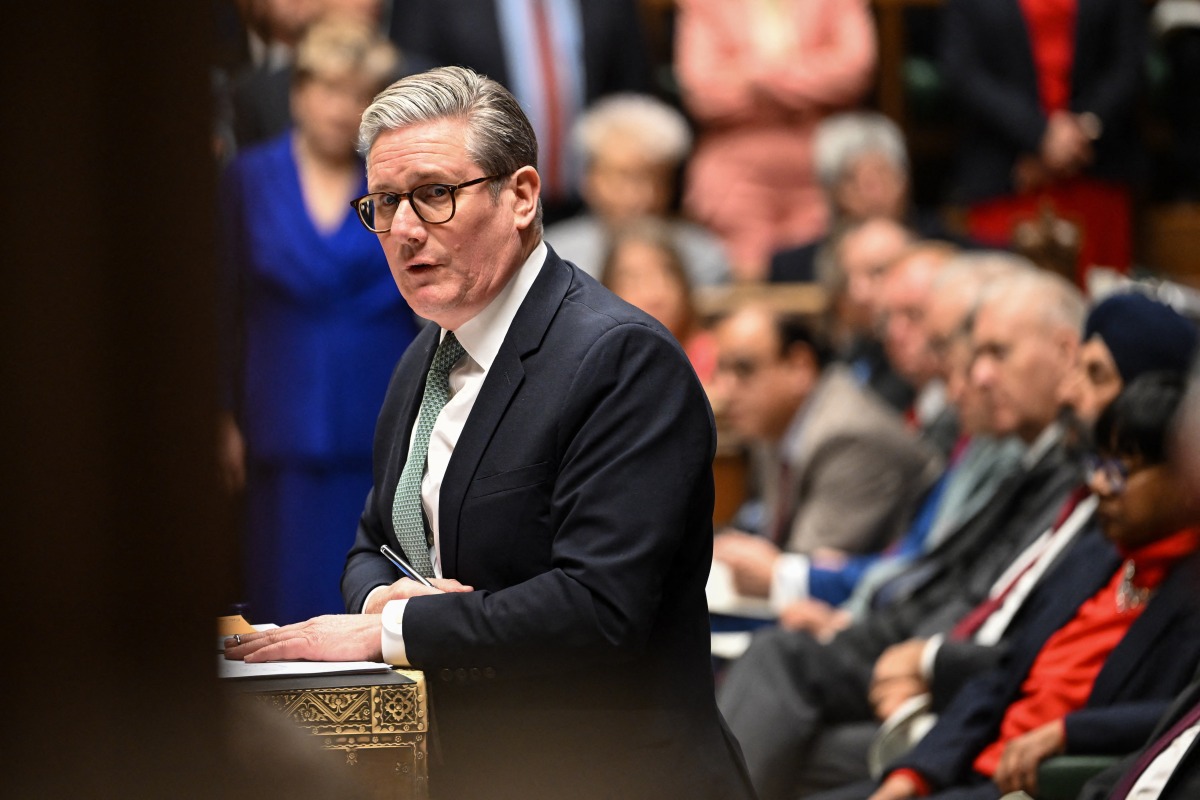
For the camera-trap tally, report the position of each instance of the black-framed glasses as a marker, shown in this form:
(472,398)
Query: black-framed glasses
(1113,470)
(434,203)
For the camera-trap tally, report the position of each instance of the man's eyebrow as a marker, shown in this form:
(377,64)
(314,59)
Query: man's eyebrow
(419,178)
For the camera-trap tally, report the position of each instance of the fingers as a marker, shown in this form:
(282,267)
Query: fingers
(449,585)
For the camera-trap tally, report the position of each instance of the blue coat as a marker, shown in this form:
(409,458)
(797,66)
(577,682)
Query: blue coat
(314,323)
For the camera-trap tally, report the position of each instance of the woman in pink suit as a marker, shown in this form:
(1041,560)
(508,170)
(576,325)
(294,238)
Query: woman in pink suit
(757,76)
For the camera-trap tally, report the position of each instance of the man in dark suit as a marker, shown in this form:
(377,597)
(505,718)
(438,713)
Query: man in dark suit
(566,499)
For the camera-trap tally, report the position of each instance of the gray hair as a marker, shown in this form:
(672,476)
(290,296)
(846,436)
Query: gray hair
(841,138)
(967,276)
(499,138)
(660,131)
(1058,302)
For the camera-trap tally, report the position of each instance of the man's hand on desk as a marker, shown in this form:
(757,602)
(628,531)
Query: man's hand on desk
(750,558)
(334,637)
(406,588)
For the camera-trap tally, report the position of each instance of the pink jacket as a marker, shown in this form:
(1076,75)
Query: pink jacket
(757,90)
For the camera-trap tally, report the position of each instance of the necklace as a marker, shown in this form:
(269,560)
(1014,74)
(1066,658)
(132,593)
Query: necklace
(1130,597)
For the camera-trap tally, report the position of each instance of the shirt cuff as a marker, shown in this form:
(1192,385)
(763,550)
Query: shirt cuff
(392,635)
(367,599)
(929,656)
(790,580)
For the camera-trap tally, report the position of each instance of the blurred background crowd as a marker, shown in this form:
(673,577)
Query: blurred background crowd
(697,155)
(935,263)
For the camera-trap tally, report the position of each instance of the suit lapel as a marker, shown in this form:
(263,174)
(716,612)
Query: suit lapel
(1174,596)
(503,379)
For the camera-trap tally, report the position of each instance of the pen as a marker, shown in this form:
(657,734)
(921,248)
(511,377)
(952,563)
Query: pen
(404,566)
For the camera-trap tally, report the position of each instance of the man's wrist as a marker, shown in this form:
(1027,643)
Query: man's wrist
(367,608)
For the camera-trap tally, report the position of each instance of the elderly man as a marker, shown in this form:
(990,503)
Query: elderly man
(853,273)
(907,292)
(839,473)
(1125,336)
(543,453)
(789,693)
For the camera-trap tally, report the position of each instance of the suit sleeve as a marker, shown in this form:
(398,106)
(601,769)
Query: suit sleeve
(956,663)
(852,497)
(631,493)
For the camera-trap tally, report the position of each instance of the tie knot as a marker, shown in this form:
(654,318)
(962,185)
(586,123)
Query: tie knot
(447,355)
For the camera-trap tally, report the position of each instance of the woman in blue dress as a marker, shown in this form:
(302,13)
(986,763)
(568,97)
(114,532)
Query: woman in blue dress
(314,325)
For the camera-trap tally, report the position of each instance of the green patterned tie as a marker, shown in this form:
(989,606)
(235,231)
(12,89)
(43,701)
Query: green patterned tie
(407,516)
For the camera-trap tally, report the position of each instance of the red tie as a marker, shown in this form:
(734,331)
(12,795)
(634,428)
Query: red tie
(973,621)
(552,143)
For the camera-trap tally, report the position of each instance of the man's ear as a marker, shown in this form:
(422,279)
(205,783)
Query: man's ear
(527,188)
(1067,343)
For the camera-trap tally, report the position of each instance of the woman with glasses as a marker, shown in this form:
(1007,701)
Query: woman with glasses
(1110,637)
(313,328)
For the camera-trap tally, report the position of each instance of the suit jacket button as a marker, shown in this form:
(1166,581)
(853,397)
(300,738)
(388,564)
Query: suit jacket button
(461,674)
(489,672)
(475,673)
(446,675)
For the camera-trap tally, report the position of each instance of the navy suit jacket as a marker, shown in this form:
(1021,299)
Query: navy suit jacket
(1155,659)
(578,504)
(987,60)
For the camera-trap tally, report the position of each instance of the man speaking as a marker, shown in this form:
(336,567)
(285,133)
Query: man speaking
(544,455)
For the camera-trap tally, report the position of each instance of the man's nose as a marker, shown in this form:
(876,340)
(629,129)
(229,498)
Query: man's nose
(407,225)
(982,371)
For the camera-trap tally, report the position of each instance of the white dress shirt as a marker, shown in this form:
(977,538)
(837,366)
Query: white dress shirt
(481,338)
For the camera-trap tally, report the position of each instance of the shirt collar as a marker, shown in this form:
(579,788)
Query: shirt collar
(1042,445)
(482,335)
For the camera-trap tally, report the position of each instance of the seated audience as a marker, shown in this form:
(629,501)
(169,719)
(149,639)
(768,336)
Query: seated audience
(313,327)
(645,267)
(838,474)
(1167,767)
(976,467)
(1111,637)
(1124,336)
(788,697)
(861,161)
(633,146)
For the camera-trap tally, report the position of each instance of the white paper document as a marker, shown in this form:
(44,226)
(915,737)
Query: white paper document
(284,669)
